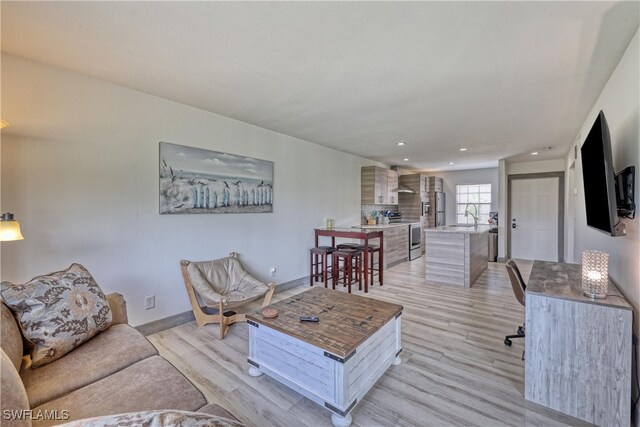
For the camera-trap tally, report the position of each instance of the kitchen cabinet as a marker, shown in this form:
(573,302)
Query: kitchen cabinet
(376,186)
(392,186)
(396,244)
(411,204)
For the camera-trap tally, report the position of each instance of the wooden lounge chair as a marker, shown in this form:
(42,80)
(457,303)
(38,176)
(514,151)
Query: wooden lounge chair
(219,285)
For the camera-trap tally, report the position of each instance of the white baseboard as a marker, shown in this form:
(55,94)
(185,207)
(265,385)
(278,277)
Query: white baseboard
(187,316)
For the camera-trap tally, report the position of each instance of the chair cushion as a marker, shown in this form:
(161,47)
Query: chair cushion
(167,418)
(13,395)
(224,279)
(108,352)
(58,312)
(10,337)
(149,385)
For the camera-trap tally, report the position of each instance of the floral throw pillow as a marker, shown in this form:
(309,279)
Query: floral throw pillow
(167,418)
(58,312)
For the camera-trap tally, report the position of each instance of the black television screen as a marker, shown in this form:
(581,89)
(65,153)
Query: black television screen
(599,178)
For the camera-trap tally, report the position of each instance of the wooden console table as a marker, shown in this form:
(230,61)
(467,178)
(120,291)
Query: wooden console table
(578,350)
(356,234)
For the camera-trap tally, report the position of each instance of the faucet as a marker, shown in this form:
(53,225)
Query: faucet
(467,213)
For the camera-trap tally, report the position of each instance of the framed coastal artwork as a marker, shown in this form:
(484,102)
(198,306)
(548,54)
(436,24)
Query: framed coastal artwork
(194,181)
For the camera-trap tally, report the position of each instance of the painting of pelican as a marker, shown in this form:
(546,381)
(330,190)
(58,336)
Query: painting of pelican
(195,180)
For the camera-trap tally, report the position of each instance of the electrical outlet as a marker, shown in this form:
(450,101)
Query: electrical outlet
(150,302)
(272,272)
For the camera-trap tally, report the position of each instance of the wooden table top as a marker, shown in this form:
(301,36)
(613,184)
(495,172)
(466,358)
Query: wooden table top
(563,280)
(346,320)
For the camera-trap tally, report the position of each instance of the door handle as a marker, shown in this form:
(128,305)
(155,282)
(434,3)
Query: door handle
(514,225)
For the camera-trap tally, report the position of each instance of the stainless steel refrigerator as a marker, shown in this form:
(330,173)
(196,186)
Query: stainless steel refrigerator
(440,214)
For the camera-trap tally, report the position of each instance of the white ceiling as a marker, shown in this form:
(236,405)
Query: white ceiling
(499,78)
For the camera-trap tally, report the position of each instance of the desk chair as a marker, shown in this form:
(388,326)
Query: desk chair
(519,287)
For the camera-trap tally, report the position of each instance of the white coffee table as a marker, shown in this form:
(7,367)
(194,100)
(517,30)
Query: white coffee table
(334,362)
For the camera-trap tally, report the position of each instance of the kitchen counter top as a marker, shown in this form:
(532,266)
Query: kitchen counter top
(383,226)
(481,229)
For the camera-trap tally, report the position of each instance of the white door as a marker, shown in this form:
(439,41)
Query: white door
(534,219)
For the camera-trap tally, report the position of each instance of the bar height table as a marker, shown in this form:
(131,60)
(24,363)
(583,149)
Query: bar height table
(358,234)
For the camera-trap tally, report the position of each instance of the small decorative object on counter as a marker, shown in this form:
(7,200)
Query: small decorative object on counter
(493,218)
(270,313)
(330,223)
(595,274)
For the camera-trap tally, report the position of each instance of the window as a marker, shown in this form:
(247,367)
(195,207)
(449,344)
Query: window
(480,196)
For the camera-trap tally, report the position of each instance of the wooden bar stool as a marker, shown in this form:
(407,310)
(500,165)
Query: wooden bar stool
(374,268)
(318,264)
(351,269)
(348,246)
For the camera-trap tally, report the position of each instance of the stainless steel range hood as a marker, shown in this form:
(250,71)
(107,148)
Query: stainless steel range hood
(401,187)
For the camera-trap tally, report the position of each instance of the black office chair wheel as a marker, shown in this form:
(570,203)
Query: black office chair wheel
(507,341)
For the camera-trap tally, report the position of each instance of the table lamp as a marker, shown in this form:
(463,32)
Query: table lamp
(595,275)
(9,228)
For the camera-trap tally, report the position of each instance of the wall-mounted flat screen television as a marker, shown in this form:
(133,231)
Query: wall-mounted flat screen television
(599,180)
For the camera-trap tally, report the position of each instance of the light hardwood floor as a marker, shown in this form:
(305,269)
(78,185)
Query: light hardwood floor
(455,368)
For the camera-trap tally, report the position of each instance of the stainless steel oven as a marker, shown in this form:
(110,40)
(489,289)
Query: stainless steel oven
(415,241)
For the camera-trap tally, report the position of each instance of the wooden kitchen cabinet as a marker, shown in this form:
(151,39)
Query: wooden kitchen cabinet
(438,184)
(376,184)
(396,244)
(392,187)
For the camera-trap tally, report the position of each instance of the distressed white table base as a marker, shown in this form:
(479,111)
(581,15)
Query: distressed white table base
(331,381)
(255,372)
(339,421)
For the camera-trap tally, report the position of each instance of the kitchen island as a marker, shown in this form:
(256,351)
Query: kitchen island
(456,255)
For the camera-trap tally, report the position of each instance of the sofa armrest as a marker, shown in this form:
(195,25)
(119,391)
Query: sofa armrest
(118,308)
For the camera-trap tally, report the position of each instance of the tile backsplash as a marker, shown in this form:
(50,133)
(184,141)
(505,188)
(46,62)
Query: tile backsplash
(366,210)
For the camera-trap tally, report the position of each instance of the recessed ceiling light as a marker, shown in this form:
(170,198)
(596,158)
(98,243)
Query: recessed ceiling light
(463,149)
(401,143)
(535,153)
(406,160)
(450,163)
(546,148)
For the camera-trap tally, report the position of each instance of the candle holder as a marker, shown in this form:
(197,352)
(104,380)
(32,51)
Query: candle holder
(595,275)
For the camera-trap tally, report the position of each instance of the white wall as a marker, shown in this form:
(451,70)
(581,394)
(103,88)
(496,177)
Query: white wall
(80,171)
(535,166)
(471,176)
(620,102)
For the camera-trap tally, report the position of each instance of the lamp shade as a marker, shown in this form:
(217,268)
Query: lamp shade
(9,228)
(595,274)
